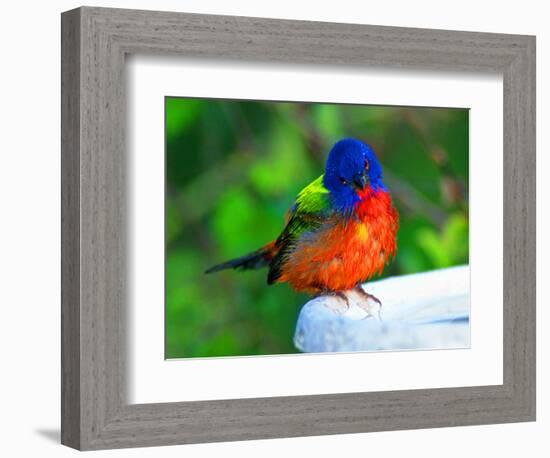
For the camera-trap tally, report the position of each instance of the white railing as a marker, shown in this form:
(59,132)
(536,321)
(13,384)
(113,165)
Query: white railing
(420,311)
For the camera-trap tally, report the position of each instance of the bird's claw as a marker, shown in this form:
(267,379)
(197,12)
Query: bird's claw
(371,311)
(370,304)
(342,298)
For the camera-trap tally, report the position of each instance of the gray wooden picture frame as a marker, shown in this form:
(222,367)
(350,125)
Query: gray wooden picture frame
(95,411)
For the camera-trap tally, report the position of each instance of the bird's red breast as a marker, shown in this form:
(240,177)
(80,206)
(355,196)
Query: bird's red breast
(345,251)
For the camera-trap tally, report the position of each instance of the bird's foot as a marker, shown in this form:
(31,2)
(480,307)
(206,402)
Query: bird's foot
(369,303)
(341,305)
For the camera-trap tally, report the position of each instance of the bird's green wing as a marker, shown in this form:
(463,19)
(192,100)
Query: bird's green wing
(313,198)
(308,213)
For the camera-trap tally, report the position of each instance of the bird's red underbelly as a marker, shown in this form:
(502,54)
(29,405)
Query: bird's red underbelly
(342,254)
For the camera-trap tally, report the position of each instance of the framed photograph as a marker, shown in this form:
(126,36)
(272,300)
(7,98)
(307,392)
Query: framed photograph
(277,228)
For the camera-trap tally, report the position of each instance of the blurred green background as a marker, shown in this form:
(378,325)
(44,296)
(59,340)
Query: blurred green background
(233,169)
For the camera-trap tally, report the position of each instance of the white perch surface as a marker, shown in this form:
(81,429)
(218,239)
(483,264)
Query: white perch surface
(428,310)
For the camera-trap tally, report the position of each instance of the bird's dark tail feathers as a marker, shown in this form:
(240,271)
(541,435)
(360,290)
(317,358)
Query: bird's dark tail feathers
(255,260)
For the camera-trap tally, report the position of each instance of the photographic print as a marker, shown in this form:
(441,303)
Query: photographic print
(296,227)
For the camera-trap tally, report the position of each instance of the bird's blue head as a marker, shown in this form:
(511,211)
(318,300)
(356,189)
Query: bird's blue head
(351,170)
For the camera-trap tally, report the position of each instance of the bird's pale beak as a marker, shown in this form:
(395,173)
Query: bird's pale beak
(360,181)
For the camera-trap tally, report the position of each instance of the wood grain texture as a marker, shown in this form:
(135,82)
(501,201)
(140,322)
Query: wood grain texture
(70,229)
(95,410)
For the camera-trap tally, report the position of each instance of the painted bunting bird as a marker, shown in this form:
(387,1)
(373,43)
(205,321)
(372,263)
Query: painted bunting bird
(340,232)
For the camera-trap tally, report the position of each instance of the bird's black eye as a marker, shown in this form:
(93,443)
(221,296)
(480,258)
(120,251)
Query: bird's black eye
(343,180)
(367,165)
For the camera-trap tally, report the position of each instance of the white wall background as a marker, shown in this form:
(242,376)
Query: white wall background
(29,229)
